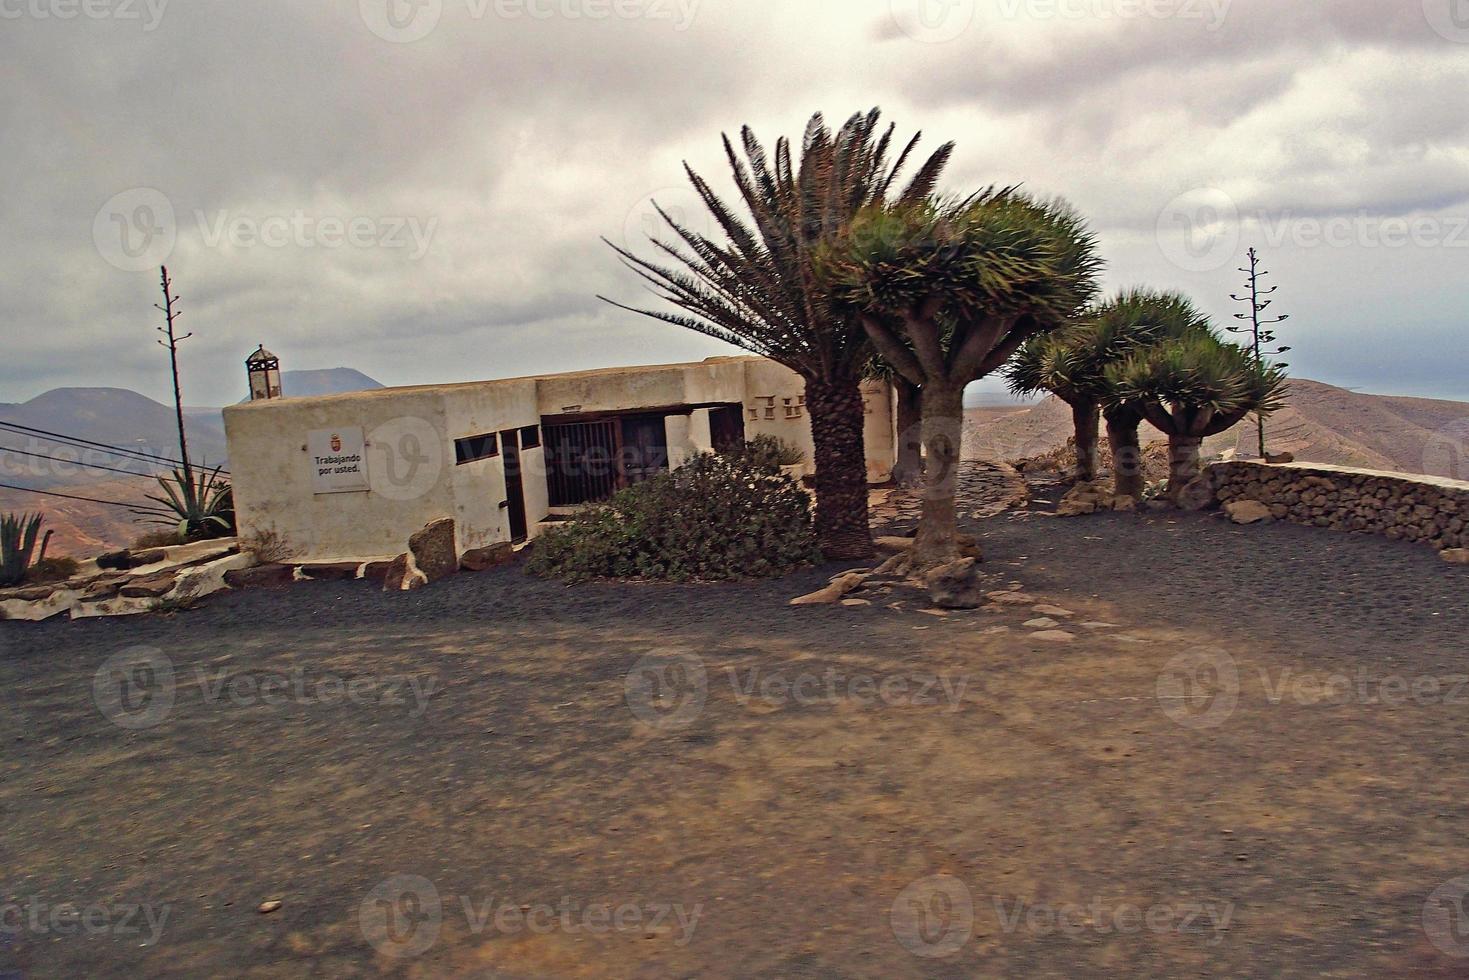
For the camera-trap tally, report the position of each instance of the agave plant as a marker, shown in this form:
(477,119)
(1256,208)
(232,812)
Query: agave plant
(1192,388)
(200,504)
(18,534)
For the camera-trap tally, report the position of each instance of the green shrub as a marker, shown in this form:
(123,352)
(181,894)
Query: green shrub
(714,518)
(768,450)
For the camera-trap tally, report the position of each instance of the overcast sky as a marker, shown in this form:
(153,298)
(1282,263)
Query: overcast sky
(416,188)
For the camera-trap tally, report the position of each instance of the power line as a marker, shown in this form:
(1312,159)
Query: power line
(68,496)
(72,462)
(81,443)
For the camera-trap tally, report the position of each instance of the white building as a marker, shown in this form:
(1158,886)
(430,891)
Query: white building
(351,476)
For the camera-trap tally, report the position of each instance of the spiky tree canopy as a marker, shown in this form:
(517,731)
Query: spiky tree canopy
(1073,363)
(948,290)
(1197,386)
(758,289)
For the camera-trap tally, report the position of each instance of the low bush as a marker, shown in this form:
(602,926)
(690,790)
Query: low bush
(149,540)
(49,570)
(715,518)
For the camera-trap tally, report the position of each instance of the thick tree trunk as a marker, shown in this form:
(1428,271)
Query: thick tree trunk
(837,417)
(909,469)
(1184,464)
(943,427)
(1084,420)
(1127,457)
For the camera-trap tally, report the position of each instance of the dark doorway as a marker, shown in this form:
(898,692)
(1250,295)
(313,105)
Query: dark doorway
(644,447)
(727,428)
(514,487)
(580,461)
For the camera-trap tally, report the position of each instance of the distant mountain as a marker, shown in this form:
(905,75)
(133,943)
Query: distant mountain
(328,381)
(114,417)
(1320,423)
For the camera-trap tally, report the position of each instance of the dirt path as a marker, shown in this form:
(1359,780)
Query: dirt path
(825,792)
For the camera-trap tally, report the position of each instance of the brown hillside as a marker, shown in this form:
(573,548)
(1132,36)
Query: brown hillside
(85,529)
(1320,423)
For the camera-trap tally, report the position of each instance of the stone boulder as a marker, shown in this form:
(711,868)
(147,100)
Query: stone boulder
(1197,495)
(403,575)
(269,576)
(484,559)
(1085,498)
(1248,511)
(1457,556)
(956,585)
(435,554)
(149,587)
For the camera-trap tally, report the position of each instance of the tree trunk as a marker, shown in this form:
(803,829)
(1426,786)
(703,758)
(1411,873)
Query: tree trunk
(1084,420)
(909,469)
(837,417)
(1184,464)
(1127,457)
(943,427)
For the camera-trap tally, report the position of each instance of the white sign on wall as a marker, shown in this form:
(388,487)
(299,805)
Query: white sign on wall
(338,460)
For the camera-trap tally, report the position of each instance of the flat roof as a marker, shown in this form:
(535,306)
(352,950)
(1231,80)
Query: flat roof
(385,392)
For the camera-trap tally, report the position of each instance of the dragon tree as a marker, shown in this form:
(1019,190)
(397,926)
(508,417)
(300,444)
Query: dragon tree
(1192,388)
(947,291)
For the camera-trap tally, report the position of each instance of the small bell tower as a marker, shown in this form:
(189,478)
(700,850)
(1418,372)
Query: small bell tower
(265,374)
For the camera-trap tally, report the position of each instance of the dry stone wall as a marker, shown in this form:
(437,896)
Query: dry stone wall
(1399,506)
